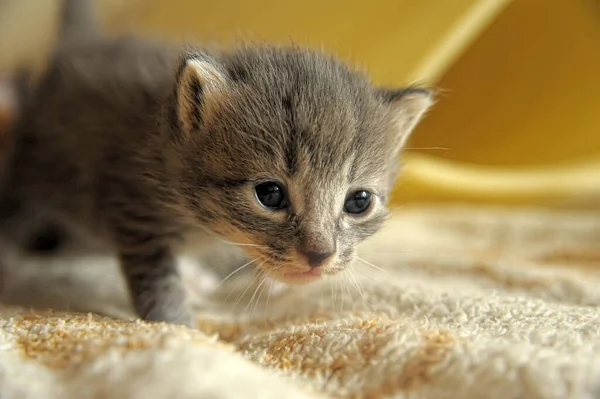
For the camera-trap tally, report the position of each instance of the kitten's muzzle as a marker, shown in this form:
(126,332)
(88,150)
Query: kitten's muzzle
(311,275)
(309,266)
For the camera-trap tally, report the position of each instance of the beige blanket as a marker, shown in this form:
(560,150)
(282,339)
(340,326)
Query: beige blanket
(456,303)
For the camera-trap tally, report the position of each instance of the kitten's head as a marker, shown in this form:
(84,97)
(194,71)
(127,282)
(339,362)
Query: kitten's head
(289,152)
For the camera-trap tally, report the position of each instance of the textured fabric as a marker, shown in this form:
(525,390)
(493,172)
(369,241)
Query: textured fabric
(469,303)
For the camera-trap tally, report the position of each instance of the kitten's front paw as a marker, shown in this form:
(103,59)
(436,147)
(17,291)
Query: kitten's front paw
(168,304)
(179,315)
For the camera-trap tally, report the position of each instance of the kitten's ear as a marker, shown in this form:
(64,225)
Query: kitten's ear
(199,84)
(14,93)
(408,106)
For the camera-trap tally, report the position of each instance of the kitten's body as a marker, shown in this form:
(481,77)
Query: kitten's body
(145,147)
(96,125)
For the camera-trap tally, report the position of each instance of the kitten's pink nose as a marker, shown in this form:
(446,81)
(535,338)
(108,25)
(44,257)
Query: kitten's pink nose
(316,258)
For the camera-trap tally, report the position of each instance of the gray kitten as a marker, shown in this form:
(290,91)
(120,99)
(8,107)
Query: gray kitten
(155,150)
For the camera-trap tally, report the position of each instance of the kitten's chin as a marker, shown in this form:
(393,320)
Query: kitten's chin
(298,278)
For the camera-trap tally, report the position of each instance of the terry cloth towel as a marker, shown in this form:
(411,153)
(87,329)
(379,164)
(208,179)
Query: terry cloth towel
(453,303)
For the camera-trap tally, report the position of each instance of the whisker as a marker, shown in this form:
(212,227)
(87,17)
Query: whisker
(223,240)
(213,267)
(359,289)
(332,298)
(233,289)
(240,296)
(239,244)
(268,297)
(353,281)
(261,292)
(373,276)
(396,208)
(248,287)
(395,251)
(372,265)
(223,264)
(426,148)
(236,271)
(334,285)
(250,302)
(229,294)
(345,284)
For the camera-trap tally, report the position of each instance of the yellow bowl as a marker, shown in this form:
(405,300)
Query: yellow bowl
(430,179)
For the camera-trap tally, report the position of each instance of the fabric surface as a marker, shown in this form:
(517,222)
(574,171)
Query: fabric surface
(457,303)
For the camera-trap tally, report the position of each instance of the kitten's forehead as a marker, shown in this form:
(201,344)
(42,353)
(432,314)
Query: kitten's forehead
(312,101)
(296,75)
(295,113)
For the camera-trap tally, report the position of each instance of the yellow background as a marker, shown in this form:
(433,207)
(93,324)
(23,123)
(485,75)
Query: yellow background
(518,114)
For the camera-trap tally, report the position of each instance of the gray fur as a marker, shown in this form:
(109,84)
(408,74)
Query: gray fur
(142,145)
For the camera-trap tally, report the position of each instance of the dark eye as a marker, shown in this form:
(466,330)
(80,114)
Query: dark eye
(357,202)
(271,195)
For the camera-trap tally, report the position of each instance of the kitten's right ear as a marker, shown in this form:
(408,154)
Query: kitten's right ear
(200,84)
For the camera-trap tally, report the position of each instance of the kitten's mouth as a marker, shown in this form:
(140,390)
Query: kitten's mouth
(301,277)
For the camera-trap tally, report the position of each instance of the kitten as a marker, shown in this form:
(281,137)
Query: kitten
(159,150)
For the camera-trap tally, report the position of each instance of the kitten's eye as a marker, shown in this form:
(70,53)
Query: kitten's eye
(271,195)
(357,202)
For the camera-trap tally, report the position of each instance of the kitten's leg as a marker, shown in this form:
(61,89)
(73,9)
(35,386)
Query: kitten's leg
(155,285)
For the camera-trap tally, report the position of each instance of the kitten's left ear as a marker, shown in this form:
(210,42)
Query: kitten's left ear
(408,106)
(14,93)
